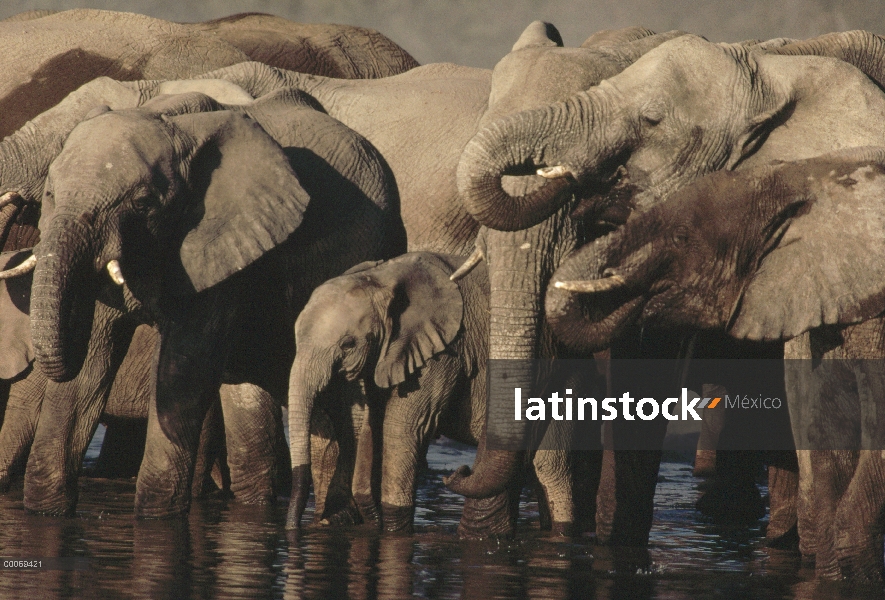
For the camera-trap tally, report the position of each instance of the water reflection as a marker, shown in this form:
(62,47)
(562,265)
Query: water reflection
(226,550)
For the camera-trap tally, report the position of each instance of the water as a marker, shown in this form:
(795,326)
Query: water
(225,550)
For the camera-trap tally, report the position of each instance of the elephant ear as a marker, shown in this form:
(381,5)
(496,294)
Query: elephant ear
(826,268)
(246,199)
(424,311)
(16,349)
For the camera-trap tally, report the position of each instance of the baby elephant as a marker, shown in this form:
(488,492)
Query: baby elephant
(417,343)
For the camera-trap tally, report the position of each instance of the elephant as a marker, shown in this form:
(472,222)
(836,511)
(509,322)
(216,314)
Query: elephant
(185,195)
(124,411)
(67,49)
(770,252)
(683,109)
(417,343)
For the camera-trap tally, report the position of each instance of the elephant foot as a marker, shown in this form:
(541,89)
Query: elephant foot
(564,529)
(152,503)
(57,500)
(788,540)
(397,518)
(368,509)
(860,559)
(487,517)
(704,463)
(732,503)
(346,517)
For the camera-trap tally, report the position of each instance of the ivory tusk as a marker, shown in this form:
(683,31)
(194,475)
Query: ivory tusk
(468,265)
(553,172)
(8,198)
(25,267)
(115,272)
(591,286)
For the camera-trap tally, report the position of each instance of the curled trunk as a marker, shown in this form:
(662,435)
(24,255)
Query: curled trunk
(557,135)
(590,323)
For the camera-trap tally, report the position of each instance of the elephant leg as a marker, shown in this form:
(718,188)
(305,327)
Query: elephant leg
(805,522)
(605,494)
(20,424)
(367,464)
(552,464)
(733,496)
(69,417)
(195,343)
(636,477)
(858,522)
(831,473)
(211,470)
(122,448)
(783,493)
(253,423)
(410,423)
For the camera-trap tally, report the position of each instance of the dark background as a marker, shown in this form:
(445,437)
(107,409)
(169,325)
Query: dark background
(479,32)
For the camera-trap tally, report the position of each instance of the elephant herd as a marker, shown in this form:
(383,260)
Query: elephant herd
(207,222)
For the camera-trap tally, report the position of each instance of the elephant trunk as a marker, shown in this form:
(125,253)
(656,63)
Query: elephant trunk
(550,141)
(591,324)
(58,280)
(517,272)
(306,381)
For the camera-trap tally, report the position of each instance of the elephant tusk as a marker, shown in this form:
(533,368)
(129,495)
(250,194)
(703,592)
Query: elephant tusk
(553,172)
(25,267)
(9,198)
(115,272)
(591,286)
(469,264)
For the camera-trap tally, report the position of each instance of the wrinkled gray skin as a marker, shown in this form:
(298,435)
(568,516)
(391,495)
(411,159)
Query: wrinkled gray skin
(170,190)
(124,411)
(420,121)
(47,57)
(683,109)
(771,252)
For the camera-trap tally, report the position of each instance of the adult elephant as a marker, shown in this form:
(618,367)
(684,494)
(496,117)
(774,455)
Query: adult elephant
(124,411)
(67,49)
(754,253)
(216,225)
(685,108)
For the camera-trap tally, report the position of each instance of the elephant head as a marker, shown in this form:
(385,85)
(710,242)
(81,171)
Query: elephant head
(165,201)
(380,322)
(766,254)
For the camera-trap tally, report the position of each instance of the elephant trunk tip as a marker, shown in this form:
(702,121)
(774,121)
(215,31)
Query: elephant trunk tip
(301,481)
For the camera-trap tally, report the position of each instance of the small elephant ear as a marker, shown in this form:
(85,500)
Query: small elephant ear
(424,312)
(247,199)
(538,34)
(16,348)
(825,269)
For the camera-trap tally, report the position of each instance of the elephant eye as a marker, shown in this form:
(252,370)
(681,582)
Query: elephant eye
(680,237)
(347,342)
